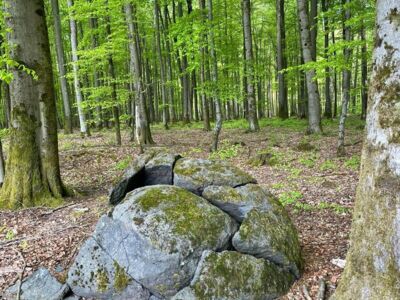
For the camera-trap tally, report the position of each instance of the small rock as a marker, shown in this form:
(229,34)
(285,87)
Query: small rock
(341,263)
(38,286)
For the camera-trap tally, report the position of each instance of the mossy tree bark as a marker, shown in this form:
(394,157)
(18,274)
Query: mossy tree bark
(32,172)
(373,262)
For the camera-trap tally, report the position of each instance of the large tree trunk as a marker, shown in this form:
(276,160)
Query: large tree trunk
(204,102)
(75,69)
(251,100)
(142,133)
(281,59)
(373,262)
(314,106)
(346,84)
(33,174)
(61,67)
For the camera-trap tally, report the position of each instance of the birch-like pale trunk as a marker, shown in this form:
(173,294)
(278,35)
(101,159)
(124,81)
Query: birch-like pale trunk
(75,70)
(372,269)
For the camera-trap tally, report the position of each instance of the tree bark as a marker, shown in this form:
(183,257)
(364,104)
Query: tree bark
(33,174)
(346,85)
(314,105)
(281,59)
(373,262)
(251,100)
(61,67)
(328,98)
(77,85)
(364,74)
(142,133)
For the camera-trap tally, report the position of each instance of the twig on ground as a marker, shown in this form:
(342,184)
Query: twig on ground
(321,289)
(21,276)
(306,293)
(58,208)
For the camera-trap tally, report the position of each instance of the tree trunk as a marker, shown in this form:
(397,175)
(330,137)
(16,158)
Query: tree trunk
(313,28)
(314,105)
(61,67)
(33,174)
(214,78)
(161,62)
(373,262)
(251,100)
(328,98)
(281,59)
(77,85)
(112,79)
(143,133)
(346,85)
(364,74)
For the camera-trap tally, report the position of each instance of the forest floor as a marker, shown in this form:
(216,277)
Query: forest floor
(317,188)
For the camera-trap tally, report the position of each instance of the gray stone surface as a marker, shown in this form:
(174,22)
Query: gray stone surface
(271,235)
(94,274)
(159,170)
(237,202)
(132,178)
(197,174)
(231,275)
(38,286)
(158,234)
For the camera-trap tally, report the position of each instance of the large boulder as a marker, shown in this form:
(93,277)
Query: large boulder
(232,275)
(158,234)
(94,274)
(196,174)
(38,286)
(271,235)
(237,202)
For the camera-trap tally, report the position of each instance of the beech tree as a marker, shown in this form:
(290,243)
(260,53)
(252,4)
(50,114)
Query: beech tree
(373,262)
(32,172)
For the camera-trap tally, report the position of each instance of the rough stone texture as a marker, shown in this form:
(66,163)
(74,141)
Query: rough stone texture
(40,285)
(94,274)
(158,234)
(159,170)
(237,202)
(197,174)
(133,178)
(270,235)
(232,275)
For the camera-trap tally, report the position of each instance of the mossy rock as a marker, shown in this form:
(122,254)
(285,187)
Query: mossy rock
(232,275)
(94,274)
(197,174)
(158,234)
(237,202)
(271,235)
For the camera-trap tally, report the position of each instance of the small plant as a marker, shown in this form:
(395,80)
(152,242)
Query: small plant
(309,162)
(353,162)
(277,186)
(123,164)
(290,197)
(295,173)
(226,151)
(339,209)
(328,165)
(10,234)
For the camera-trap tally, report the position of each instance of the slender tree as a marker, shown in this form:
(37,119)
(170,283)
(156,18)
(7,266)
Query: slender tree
(77,84)
(314,105)
(281,59)
(61,66)
(248,42)
(33,174)
(373,262)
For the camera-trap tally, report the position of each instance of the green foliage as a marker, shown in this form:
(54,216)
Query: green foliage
(226,151)
(123,164)
(353,162)
(328,165)
(288,198)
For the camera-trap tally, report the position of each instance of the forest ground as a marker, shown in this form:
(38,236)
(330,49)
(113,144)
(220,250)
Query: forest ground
(317,188)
